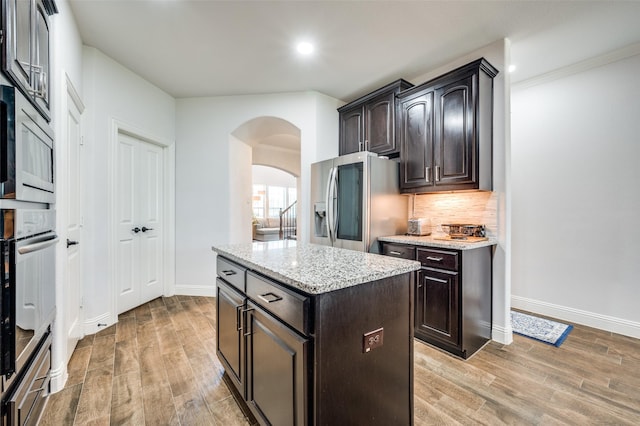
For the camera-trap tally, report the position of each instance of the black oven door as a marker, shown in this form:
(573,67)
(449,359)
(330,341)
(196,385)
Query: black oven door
(8,295)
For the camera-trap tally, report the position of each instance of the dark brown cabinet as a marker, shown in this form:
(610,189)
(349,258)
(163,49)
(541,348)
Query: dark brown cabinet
(276,370)
(230,340)
(369,123)
(437,297)
(26,49)
(294,358)
(452,294)
(445,131)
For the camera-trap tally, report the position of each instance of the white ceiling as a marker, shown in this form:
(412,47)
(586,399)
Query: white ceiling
(194,48)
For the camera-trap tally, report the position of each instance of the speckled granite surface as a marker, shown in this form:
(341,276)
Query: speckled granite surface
(432,242)
(315,269)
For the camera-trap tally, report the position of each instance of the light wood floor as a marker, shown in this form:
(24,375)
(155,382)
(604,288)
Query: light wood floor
(158,366)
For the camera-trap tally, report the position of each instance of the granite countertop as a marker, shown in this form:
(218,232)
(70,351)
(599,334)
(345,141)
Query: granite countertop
(432,242)
(312,268)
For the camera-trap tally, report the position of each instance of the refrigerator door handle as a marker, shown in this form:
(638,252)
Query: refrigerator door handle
(331,194)
(329,199)
(334,205)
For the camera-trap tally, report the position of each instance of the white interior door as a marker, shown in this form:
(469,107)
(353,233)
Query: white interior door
(140,201)
(73,217)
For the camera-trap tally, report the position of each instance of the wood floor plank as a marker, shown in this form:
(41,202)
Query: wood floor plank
(127,405)
(193,410)
(126,329)
(126,357)
(179,373)
(227,413)
(159,408)
(95,403)
(77,367)
(143,313)
(146,334)
(103,352)
(152,371)
(61,407)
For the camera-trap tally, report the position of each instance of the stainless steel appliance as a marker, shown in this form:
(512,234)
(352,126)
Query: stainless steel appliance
(27,300)
(356,199)
(27,150)
(419,226)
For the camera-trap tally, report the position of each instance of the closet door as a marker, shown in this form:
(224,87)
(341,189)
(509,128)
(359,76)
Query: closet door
(140,190)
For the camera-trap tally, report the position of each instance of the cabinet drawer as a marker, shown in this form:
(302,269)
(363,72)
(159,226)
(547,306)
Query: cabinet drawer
(290,307)
(397,250)
(439,259)
(231,272)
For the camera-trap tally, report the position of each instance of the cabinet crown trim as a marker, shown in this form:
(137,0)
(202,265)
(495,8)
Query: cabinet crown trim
(401,84)
(481,64)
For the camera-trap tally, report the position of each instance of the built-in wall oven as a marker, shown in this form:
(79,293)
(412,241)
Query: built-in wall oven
(26,150)
(27,299)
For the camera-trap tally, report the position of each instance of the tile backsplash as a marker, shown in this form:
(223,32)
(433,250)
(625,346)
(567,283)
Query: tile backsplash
(460,207)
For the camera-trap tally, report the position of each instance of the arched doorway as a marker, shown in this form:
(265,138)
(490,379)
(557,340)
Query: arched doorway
(267,141)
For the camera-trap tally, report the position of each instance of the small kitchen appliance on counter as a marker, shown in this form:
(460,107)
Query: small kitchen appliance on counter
(419,226)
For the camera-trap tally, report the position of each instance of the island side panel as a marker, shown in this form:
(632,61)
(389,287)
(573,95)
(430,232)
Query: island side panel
(354,387)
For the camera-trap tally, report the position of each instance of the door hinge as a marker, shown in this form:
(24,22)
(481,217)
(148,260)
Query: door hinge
(1,36)
(81,140)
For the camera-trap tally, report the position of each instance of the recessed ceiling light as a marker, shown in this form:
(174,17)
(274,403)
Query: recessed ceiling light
(512,68)
(305,48)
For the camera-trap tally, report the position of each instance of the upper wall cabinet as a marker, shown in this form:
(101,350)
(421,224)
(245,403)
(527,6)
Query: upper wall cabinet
(369,123)
(25,48)
(445,131)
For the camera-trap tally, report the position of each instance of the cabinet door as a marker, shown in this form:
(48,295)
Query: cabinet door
(454,151)
(351,130)
(40,65)
(437,306)
(17,44)
(230,340)
(379,129)
(277,382)
(416,139)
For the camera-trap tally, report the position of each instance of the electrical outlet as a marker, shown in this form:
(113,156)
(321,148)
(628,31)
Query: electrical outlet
(372,339)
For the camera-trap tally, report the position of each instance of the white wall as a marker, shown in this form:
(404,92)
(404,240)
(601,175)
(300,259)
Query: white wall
(112,94)
(272,176)
(498,55)
(203,171)
(283,159)
(66,63)
(576,193)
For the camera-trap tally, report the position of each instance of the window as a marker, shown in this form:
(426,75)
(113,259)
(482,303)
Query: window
(271,199)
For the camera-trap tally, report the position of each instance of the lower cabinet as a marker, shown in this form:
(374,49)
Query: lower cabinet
(230,339)
(437,311)
(302,359)
(453,296)
(276,370)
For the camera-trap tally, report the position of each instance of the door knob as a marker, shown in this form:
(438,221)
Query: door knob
(136,229)
(145,229)
(71,243)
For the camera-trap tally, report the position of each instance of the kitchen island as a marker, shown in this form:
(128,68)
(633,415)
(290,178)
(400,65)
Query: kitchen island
(310,334)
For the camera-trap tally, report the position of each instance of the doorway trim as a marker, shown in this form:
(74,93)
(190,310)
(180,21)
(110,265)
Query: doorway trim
(168,218)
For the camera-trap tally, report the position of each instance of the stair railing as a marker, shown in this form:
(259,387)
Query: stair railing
(288,222)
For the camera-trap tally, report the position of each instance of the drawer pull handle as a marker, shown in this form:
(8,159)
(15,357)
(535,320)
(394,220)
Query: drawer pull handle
(269,297)
(435,259)
(395,253)
(229,272)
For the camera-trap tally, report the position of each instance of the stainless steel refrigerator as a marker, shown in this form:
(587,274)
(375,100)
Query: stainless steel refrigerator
(356,199)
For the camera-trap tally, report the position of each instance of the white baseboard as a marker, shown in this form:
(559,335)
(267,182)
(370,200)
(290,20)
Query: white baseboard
(195,290)
(59,377)
(502,335)
(577,316)
(93,325)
